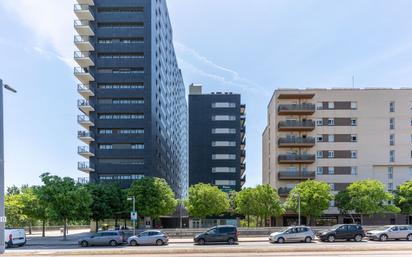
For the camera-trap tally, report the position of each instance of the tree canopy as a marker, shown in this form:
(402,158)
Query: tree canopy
(403,197)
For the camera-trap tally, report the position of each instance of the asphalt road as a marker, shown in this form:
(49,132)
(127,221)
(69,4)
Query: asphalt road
(365,248)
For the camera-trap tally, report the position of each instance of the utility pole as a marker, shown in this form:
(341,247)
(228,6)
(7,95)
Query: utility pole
(134,213)
(299,209)
(2,214)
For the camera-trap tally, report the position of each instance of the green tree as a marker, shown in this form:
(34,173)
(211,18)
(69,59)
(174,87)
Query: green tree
(368,197)
(315,197)
(246,203)
(154,197)
(66,200)
(268,203)
(205,200)
(14,210)
(33,207)
(403,197)
(343,203)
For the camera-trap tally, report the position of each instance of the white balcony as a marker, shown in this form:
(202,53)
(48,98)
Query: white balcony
(85,121)
(85,136)
(85,151)
(83,75)
(84,91)
(83,28)
(83,43)
(88,2)
(84,59)
(85,106)
(85,167)
(83,12)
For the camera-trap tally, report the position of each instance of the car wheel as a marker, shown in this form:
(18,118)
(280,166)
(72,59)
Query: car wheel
(383,237)
(159,242)
(281,240)
(113,243)
(231,241)
(409,237)
(133,243)
(358,238)
(201,241)
(308,239)
(331,238)
(84,244)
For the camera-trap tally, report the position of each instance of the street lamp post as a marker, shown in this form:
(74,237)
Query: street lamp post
(134,211)
(297,194)
(2,215)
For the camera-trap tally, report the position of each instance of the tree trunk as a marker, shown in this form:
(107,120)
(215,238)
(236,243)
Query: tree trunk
(43,234)
(257,221)
(30,232)
(248,221)
(361,219)
(353,219)
(309,220)
(115,222)
(97,226)
(65,230)
(125,223)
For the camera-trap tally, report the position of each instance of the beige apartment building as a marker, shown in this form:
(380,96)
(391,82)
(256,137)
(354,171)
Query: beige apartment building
(338,136)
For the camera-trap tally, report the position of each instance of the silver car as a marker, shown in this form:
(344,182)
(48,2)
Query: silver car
(293,234)
(391,232)
(112,238)
(149,237)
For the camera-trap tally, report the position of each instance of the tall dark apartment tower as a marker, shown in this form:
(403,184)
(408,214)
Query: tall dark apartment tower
(216,139)
(133,105)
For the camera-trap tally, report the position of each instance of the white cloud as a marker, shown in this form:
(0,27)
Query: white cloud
(51,21)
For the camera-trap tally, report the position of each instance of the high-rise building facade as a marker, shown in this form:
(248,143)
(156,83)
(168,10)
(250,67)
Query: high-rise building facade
(216,139)
(133,105)
(338,136)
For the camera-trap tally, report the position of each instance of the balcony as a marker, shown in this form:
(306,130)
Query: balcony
(242,169)
(83,43)
(243,109)
(294,125)
(296,109)
(296,142)
(89,2)
(85,136)
(242,133)
(83,28)
(84,59)
(83,12)
(85,167)
(85,106)
(242,181)
(242,156)
(296,175)
(243,144)
(85,121)
(242,120)
(284,191)
(83,75)
(296,158)
(84,91)
(85,151)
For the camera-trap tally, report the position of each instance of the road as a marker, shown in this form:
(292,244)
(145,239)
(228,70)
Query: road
(365,248)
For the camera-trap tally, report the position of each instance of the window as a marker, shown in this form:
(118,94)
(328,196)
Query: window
(223,170)
(137,146)
(332,203)
(223,105)
(319,154)
(354,154)
(392,107)
(331,138)
(224,157)
(121,116)
(105,131)
(319,122)
(390,186)
(319,138)
(392,123)
(332,186)
(105,146)
(122,161)
(354,105)
(390,172)
(225,182)
(392,156)
(331,154)
(353,122)
(353,138)
(319,106)
(121,86)
(331,170)
(319,170)
(223,117)
(223,143)
(223,131)
(331,105)
(354,170)
(392,139)
(331,122)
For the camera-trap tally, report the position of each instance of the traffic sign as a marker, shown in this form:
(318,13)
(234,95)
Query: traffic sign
(133,215)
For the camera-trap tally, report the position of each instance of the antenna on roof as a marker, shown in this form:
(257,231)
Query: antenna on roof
(353,81)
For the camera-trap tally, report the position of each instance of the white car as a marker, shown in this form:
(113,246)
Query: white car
(293,234)
(14,237)
(391,232)
(149,237)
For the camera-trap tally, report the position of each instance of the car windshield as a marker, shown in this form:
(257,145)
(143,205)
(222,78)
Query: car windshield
(384,228)
(284,231)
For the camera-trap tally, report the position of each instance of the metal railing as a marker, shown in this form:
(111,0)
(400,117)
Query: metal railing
(80,54)
(83,103)
(296,157)
(83,165)
(297,107)
(82,88)
(83,118)
(296,140)
(297,124)
(80,23)
(83,149)
(81,7)
(297,174)
(81,134)
(80,70)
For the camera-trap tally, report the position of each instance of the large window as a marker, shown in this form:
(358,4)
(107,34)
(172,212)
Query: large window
(223,105)
(121,131)
(223,170)
(122,161)
(121,116)
(225,182)
(121,177)
(223,131)
(223,143)
(121,86)
(223,117)
(224,157)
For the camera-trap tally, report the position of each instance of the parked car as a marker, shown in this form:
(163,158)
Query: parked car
(14,237)
(149,237)
(218,234)
(112,238)
(391,232)
(293,234)
(345,232)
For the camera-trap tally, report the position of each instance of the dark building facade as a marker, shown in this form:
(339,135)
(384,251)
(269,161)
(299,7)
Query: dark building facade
(216,139)
(134,111)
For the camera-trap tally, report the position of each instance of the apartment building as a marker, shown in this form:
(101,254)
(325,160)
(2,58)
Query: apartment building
(338,136)
(134,111)
(216,139)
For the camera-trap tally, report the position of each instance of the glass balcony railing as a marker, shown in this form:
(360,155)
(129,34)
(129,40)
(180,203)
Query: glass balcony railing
(302,175)
(294,158)
(298,141)
(297,125)
(84,134)
(80,54)
(84,166)
(84,150)
(81,23)
(81,7)
(297,107)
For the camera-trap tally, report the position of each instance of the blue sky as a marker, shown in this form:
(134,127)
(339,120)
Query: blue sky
(248,47)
